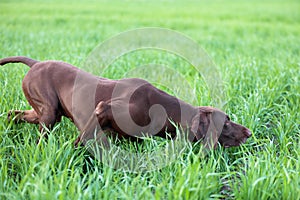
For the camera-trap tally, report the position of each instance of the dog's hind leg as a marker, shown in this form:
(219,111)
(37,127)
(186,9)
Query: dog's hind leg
(23,116)
(49,116)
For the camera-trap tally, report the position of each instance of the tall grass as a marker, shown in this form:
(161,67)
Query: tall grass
(256,48)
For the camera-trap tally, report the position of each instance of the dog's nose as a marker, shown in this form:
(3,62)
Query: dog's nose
(248,133)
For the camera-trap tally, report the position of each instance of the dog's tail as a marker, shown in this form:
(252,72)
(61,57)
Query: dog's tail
(18,59)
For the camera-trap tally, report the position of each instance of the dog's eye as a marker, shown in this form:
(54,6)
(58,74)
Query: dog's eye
(227,118)
(226,125)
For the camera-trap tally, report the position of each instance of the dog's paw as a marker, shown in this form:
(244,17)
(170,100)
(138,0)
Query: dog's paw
(15,116)
(9,115)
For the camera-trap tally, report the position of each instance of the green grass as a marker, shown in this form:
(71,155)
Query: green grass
(255,45)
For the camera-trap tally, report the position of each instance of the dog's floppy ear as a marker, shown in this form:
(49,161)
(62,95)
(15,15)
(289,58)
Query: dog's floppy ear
(200,124)
(218,118)
(195,126)
(215,128)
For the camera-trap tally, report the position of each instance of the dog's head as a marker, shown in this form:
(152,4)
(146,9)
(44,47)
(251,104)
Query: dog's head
(213,125)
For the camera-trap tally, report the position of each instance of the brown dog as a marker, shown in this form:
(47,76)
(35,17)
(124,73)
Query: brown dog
(130,107)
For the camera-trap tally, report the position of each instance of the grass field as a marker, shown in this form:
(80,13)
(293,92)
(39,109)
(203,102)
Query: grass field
(255,45)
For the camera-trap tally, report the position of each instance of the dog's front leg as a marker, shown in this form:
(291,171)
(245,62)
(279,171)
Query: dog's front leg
(94,127)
